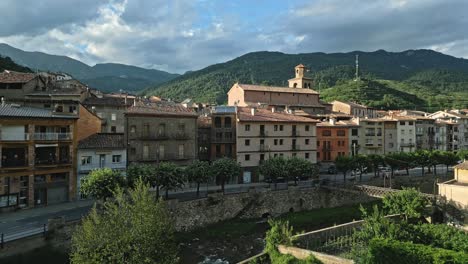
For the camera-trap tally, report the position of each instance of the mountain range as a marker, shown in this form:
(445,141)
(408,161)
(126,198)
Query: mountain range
(108,77)
(417,79)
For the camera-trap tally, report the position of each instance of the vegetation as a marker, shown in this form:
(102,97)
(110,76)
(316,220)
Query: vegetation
(420,79)
(133,228)
(408,202)
(169,176)
(199,172)
(6,63)
(225,169)
(101,183)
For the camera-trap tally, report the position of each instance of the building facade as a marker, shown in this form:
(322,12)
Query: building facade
(332,140)
(156,132)
(223,132)
(38,149)
(372,136)
(102,150)
(263,134)
(111,110)
(354,109)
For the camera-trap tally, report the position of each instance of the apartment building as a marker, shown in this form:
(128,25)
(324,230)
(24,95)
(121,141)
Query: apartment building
(332,140)
(391,144)
(298,96)
(262,134)
(372,136)
(223,132)
(101,150)
(354,109)
(164,131)
(406,133)
(458,132)
(38,149)
(111,110)
(204,137)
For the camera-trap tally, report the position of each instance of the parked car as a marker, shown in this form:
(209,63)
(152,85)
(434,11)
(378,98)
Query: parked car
(332,170)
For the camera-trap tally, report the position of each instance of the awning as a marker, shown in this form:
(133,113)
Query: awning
(46,145)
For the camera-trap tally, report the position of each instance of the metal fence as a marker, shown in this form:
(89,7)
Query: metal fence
(6,238)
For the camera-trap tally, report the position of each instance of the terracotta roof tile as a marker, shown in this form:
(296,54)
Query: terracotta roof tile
(16,77)
(161,108)
(103,141)
(244,114)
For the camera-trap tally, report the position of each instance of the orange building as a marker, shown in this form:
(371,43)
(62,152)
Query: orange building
(332,140)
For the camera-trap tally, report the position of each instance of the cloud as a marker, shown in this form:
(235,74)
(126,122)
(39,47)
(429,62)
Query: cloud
(183,35)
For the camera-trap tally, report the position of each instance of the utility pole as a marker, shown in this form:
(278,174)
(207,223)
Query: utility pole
(357,78)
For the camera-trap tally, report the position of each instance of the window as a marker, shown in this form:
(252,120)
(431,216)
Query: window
(275,142)
(410,123)
(275,128)
(162,130)
(116,158)
(307,141)
(281,127)
(247,142)
(318,155)
(306,155)
(340,133)
(281,142)
(411,131)
(181,128)
(72,108)
(294,154)
(228,135)
(218,122)
(247,127)
(133,129)
(146,129)
(354,132)
(113,129)
(262,142)
(402,123)
(402,131)
(46,106)
(275,155)
(161,151)
(86,160)
(318,143)
(145,151)
(227,122)
(247,157)
(133,151)
(181,150)
(262,156)
(218,151)
(307,128)
(113,117)
(281,154)
(326,133)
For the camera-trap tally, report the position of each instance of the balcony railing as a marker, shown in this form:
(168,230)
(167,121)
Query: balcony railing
(14,163)
(370,134)
(52,136)
(111,165)
(46,162)
(180,135)
(162,136)
(14,136)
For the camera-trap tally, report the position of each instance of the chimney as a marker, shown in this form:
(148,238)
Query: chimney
(125,100)
(3,101)
(332,121)
(253,110)
(273,109)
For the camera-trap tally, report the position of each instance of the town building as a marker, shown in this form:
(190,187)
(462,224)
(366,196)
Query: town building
(298,96)
(372,136)
(204,137)
(111,109)
(425,133)
(37,149)
(88,123)
(455,191)
(156,132)
(223,132)
(101,150)
(458,135)
(354,109)
(263,133)
(332,140)
(406,133)
(391,144)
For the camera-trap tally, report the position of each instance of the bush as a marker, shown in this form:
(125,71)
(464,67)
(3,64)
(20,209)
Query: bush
(101,183)
(392,251)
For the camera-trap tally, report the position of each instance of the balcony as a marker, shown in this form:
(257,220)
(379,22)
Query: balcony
(326,148)
(263,133)
(148,136)
(370,134)
(14,163)
(295,133)
(96,165)
(180,136)
(14,136)
(407,145)
(51,162)
(52,136)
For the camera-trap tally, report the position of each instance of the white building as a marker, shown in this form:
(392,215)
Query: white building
(458,137)
(102,150)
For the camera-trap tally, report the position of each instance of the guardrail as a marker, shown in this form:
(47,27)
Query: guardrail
(6,238)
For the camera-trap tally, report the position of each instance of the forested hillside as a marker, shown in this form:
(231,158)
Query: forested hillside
(7,64)
(415,78)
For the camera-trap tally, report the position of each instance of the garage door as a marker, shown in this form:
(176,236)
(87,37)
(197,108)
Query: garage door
(57,195)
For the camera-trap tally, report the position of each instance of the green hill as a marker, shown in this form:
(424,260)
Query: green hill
(7,64)
(107,76)
(409,70)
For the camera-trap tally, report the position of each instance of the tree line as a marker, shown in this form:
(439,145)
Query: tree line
(399,160)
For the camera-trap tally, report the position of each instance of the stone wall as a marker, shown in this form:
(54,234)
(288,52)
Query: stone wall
(256,204)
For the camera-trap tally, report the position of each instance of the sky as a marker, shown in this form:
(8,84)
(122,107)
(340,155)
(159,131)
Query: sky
(182,35)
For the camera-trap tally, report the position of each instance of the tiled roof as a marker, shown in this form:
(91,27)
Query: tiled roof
(161,108)
(15,77)
(108,101)
(337,124)
(463,166)
(244,114)
(356,105)
(17,111)
(276,89)
(204,121)
(103,141)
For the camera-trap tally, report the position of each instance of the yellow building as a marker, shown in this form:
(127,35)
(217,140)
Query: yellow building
(456,191)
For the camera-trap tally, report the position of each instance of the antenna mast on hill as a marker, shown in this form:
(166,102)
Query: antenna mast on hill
(357,68)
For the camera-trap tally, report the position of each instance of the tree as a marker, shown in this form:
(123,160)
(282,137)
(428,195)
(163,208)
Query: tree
(275,168)
(449,158)
(375,161)
(435,158)
(101,183)
(361,162)
(145,172)
(298,168)
(393,161)
(198,172)
(422,159)
(133,228)
(170,176)
(463,154)
(344,164)
(408,202)
(225,169)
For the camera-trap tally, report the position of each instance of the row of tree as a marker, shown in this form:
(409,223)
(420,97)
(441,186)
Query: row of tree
(398,160)
(292,168)
(166,176)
